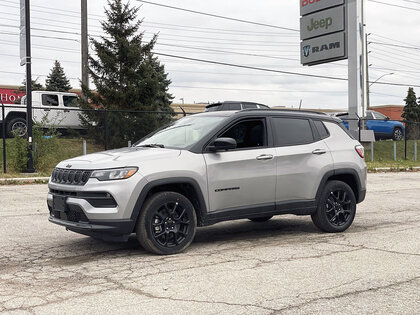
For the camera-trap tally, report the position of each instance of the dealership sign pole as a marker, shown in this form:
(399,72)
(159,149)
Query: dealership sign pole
(333,30)
(25,59)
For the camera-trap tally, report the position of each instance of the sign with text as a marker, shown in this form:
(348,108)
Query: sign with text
(322,49)
(310,6)
(322,23)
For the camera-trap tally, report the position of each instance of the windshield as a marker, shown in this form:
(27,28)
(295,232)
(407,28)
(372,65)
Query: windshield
(182,133)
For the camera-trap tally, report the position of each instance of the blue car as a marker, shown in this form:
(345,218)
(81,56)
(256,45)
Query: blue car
(382,126)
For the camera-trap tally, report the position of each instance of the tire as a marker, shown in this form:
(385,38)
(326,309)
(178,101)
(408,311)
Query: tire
(260,219)
(18,125)
(397,134)
(336,208)
(166,224)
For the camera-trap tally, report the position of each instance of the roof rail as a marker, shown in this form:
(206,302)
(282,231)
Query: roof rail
(284,110)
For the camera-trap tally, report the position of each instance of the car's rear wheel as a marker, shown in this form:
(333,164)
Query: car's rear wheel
(261,219)
(336,208)
(17,126)
(166,224)
(397,134)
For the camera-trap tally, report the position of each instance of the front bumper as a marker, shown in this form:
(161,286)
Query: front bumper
(105,230)
(99,209)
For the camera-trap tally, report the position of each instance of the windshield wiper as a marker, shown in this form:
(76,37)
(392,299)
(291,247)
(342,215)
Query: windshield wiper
(151,145)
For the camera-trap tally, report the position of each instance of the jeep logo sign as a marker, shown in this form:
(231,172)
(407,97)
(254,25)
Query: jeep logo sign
(309,6)
(317,50)
(322,23)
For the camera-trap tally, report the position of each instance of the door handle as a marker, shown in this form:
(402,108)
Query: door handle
(319,151)
(47,110)
(67,111)
(264,157)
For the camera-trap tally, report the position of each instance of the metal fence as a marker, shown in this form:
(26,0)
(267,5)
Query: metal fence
(107,124)
(124,124)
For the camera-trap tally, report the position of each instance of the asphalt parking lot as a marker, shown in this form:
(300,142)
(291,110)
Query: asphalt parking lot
(281,266)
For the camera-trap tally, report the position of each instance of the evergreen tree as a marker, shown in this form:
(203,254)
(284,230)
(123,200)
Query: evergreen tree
(127,77)
(34,84)
(57,80)
(411,114)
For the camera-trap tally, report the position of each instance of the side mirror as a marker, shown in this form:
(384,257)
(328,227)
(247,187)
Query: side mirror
(221,144)
(387,118)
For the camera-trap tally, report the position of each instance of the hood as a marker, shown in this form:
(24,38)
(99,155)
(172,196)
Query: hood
(118,158)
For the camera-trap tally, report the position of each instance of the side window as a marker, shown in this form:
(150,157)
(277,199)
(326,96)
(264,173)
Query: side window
(380,116)
(245,105)
(248,134)
(320,127)
(49,100)
(292,131)
(232,106)
(369,115)
(70,101)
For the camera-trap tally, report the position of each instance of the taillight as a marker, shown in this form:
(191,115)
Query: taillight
(360,150)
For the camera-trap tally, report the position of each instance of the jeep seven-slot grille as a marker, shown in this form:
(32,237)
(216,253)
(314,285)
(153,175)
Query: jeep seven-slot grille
(70,177)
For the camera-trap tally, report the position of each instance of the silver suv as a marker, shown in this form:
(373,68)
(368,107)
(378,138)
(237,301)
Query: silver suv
(212,167)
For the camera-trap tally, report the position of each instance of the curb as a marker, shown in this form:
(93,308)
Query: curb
(23,180)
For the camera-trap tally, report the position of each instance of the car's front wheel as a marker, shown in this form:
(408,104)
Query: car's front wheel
(397,134)
(336,208)
(166,224)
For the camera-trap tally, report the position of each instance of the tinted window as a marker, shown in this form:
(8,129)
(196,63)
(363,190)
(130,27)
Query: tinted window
(70,101)
(49,99)
(245,105)
(248,134)
(292,131)
(320,127)
(232,106)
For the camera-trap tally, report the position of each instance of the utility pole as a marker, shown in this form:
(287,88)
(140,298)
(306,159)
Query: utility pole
(367,74)
(30,164)
(84,40)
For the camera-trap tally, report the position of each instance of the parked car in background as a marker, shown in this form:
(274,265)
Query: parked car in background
(382,126)
(52,109)
(233,105)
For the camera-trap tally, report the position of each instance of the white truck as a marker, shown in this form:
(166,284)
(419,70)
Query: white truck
(52,109)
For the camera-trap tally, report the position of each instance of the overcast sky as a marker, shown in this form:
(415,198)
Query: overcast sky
(184,34)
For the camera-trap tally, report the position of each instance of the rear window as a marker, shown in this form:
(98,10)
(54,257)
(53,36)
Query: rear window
(292,131)
(320,127)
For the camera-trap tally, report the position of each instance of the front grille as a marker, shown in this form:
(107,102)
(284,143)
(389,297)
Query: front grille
(74,214)
(70,177)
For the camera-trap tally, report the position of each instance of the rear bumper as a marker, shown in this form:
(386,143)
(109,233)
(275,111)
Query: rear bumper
(118,230)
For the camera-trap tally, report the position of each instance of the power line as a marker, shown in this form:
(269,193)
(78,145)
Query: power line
(218,16)
(395,45)
(276,71)
(389,4)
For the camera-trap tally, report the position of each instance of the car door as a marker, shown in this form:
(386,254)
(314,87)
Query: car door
(301,157)
(48,112)
(71,111)
(246,176)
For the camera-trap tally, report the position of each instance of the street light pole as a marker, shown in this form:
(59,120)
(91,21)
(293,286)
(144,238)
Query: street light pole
(30,164)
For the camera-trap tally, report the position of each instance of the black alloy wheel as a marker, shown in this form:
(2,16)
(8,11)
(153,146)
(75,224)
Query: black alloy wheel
(167,223)
(336,207)
(170,224)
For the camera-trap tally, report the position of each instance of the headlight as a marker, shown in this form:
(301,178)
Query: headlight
(113,174)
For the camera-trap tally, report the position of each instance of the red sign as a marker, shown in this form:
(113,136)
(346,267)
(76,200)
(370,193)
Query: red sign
(11,95)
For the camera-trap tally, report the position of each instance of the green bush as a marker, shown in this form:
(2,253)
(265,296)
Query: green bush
(47,146)
(18,153)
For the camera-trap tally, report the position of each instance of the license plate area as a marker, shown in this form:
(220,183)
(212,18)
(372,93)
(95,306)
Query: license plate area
(59,203)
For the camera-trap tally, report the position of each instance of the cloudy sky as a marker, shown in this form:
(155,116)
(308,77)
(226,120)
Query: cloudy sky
(56,35)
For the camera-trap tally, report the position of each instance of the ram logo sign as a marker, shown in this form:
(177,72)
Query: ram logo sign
(316,50)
